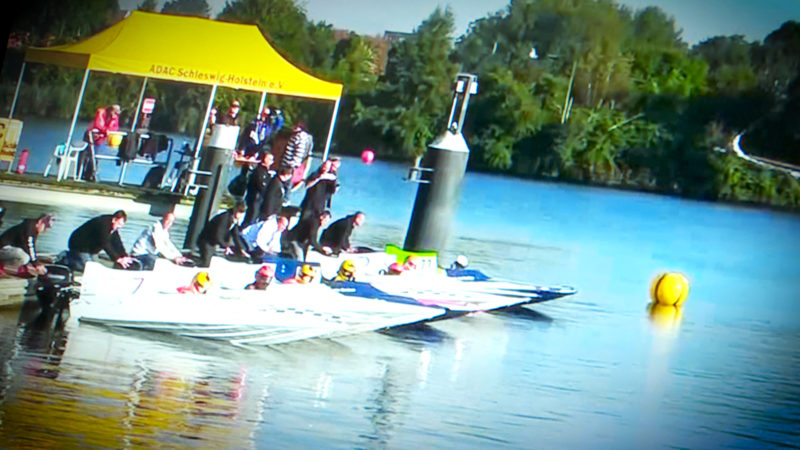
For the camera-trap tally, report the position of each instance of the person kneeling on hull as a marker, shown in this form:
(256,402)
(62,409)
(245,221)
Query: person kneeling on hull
(154,242)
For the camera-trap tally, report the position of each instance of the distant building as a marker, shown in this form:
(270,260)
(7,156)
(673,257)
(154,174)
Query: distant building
(396,36)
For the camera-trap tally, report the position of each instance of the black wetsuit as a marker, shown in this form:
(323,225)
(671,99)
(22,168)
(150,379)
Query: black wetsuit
(337,235)
(256,188)
(222,231)
(273,198)
(22,236)
(318,198)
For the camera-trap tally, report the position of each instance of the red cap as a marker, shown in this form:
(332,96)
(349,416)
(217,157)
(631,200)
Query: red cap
(266,271)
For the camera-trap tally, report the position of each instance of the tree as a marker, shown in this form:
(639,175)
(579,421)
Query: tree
(197,8)
(51,22)
(411,100)
(147,5)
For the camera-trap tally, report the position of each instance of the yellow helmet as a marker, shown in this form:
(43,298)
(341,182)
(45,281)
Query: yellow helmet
(348,265)
(308,270)
(202,279)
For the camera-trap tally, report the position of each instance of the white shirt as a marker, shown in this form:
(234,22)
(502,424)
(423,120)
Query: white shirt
(264,235)
(154,240)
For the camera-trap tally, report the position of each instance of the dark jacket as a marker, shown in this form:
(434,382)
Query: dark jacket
(258,181)
(305,233)
(273,198)
(95,236)
(22,236)
(220,230)
(337,235)
(318,197)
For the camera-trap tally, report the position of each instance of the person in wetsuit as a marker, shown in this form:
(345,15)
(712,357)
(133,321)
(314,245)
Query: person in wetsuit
(275,194)
(257,187)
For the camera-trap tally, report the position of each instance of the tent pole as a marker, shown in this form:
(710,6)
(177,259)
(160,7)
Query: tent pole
(16,92)
(139,105)
(196,160)
(77,108)
(261,105)
(330,130)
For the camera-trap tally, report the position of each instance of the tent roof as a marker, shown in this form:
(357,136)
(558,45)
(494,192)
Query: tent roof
(192,50)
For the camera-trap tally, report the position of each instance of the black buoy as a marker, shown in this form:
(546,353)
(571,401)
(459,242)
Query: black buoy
(440,175)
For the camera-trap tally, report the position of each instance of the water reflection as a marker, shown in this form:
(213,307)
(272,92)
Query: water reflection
(104,389)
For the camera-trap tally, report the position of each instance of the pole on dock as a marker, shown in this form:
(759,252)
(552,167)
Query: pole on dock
(210,174)
(440,175)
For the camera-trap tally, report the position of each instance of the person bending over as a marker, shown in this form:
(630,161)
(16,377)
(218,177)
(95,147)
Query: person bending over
(18,247)
(95,235)
(264,237)
(337,235)
(304,235)
(222,230)
(154,242)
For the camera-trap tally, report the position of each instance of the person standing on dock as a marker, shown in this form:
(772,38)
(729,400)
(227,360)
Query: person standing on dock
(257,187)
(95,235)
(154,242)
(222,230)
(18,247)
(232,116)
(105,120)
(275,194)
(297,154)
(320,187)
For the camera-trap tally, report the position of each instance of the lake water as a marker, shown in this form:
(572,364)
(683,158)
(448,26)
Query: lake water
(593,370)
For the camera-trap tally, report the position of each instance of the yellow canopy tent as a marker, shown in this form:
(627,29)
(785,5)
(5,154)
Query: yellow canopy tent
(187,49)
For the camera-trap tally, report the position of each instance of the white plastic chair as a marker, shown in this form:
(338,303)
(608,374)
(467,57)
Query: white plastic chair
(67,159)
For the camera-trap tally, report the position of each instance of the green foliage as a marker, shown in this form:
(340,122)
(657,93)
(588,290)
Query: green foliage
(147,5)
(584,90)
(49,22)
(197,8)
(411,102)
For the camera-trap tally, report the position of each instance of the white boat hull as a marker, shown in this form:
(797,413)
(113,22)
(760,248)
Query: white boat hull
(282,313)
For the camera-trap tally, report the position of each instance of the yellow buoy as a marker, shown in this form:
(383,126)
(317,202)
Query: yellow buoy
(670,289)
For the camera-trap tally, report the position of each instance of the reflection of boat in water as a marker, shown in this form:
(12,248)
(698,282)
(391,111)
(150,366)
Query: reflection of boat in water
(285,312)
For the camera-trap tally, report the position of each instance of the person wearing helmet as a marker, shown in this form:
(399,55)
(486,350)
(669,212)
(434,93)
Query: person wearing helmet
(347,271)
(460,263)
(411,264)
(199,285)
(306,275)
(264,277)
